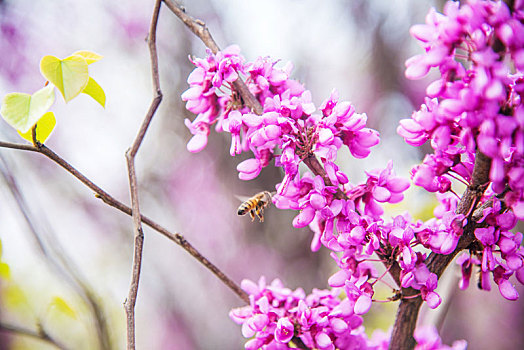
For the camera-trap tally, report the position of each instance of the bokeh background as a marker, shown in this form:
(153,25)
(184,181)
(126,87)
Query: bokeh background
(66,256)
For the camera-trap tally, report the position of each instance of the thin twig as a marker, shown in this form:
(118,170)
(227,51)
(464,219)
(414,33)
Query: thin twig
(40,334)
(314,165)
(130,302)
(199,28)
(23,147)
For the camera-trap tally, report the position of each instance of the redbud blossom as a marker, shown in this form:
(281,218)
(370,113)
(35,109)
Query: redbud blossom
(473,107)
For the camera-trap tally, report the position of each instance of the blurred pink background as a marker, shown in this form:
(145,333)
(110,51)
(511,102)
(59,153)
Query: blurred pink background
(358,47)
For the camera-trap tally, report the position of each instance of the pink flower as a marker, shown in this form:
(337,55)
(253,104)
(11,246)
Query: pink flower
(249,169)
(284,331)
(200,130)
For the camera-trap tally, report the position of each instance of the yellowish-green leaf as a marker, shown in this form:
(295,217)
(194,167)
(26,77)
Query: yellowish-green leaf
(89,56)
(14,297)
(22,111)
(4,271)
(95,91)
(44,128)
(69,75)
(61,306)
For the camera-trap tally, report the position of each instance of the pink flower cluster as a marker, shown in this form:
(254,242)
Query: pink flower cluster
(361,236)
(502,255)
(345,218)
(321,320)
(476,103)
(290,131)
(288,122)
(276,314)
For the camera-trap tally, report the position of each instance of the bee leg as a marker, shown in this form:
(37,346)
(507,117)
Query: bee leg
(260,214)
(252,214)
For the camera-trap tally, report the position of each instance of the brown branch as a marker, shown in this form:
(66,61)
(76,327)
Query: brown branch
(199,28)
(19,146)
(405,322)
(39,334)
(130,302)
(385,254)
(314,165)
(175,237)
(299,343)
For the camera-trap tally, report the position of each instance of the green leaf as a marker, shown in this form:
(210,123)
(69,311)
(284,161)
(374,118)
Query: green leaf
(44,128)
(95,91)
(60,305)
(89,56)
(4,271)
(22,111)
(69,75)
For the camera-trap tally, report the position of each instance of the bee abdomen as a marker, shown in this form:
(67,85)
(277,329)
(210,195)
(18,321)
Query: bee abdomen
(245,207)
(242,211)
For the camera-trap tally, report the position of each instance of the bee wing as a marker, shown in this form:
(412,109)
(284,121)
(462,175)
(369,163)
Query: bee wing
(242,198)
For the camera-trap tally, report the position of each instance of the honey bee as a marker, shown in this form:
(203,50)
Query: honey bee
(256,205)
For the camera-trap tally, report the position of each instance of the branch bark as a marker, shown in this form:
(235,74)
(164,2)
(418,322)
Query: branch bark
(405,322)
(130,302)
